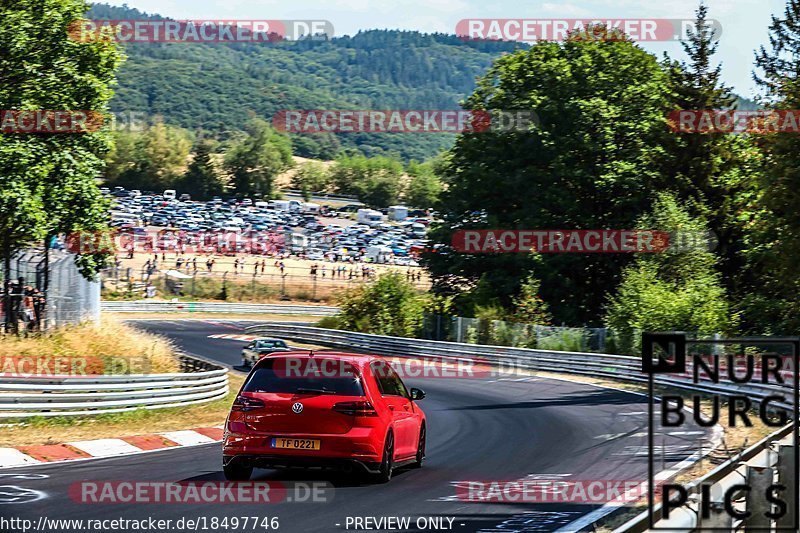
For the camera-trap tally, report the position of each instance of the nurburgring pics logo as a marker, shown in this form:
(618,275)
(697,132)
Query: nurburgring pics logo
(199,31)
(732,366)
(579,241)
(404,121)
(532,30)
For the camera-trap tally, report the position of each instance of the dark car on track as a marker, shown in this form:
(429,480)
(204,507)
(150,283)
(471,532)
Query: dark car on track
(324,409)
(259,348)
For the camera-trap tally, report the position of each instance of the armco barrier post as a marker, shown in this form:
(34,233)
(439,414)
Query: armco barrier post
(759,479)
(718,519)
(787,470)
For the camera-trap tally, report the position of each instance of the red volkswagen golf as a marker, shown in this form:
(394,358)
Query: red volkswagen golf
(324,409)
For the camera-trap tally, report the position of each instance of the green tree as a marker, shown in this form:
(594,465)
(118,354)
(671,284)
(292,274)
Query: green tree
(705,170)
(254,161)
(390,306)
(678,289)
(48,181)
(202,179)
(773,300)
(528,306)
(375,180)
(592,162)
(153,159)
(424,187)
(311,176)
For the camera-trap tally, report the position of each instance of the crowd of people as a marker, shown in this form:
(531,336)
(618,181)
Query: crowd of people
(23,307)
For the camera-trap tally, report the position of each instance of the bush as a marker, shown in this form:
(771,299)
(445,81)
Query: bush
(390,306)
(673,290)
(564,340)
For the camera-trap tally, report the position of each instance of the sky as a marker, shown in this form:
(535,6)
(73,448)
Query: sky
(744,22)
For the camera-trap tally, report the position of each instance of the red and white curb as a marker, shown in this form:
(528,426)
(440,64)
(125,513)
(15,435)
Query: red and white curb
(234,337)
(91,449)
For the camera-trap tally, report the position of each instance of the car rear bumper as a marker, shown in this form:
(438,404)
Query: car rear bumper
(282,461)
(361,445)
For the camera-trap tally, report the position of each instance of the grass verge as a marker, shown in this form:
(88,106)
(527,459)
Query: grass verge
(110,347)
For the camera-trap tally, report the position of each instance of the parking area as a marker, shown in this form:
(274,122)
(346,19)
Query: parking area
(317,232)
(314,248)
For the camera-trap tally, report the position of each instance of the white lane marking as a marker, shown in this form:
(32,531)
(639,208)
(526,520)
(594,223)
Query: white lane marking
(589,519)
(644,451)
(12,457)
(612,436)
(187,437)
(105,447)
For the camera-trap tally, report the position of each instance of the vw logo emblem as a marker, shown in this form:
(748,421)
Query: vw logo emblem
(297,407)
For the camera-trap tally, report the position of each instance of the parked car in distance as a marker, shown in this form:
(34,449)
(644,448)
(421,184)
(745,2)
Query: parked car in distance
(258,348)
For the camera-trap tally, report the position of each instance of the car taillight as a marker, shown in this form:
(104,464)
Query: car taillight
(355,409)
(243,403)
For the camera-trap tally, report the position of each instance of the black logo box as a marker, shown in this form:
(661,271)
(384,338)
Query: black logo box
(676,345)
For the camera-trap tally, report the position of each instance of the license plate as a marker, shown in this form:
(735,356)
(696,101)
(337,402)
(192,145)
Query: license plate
(296,444)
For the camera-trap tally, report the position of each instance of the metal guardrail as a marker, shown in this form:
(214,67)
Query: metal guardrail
(147,306)
(25,397)
(618,367)
(772,458)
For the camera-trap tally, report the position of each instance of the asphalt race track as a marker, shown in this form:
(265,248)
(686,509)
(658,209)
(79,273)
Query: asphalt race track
(478,429)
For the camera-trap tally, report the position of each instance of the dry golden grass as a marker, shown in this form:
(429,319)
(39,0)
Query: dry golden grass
(94,345)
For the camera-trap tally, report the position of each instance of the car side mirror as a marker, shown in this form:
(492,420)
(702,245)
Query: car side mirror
(417,394)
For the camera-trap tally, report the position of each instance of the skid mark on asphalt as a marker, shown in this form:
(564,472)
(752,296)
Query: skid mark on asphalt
(15,495)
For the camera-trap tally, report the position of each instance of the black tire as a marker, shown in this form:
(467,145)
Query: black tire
(387,461)
(234,472)
(420,448)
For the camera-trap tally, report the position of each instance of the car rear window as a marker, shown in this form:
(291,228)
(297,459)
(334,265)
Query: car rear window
(271,344)
(290,375)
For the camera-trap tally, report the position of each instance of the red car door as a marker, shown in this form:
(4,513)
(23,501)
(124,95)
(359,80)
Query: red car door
(404,417)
